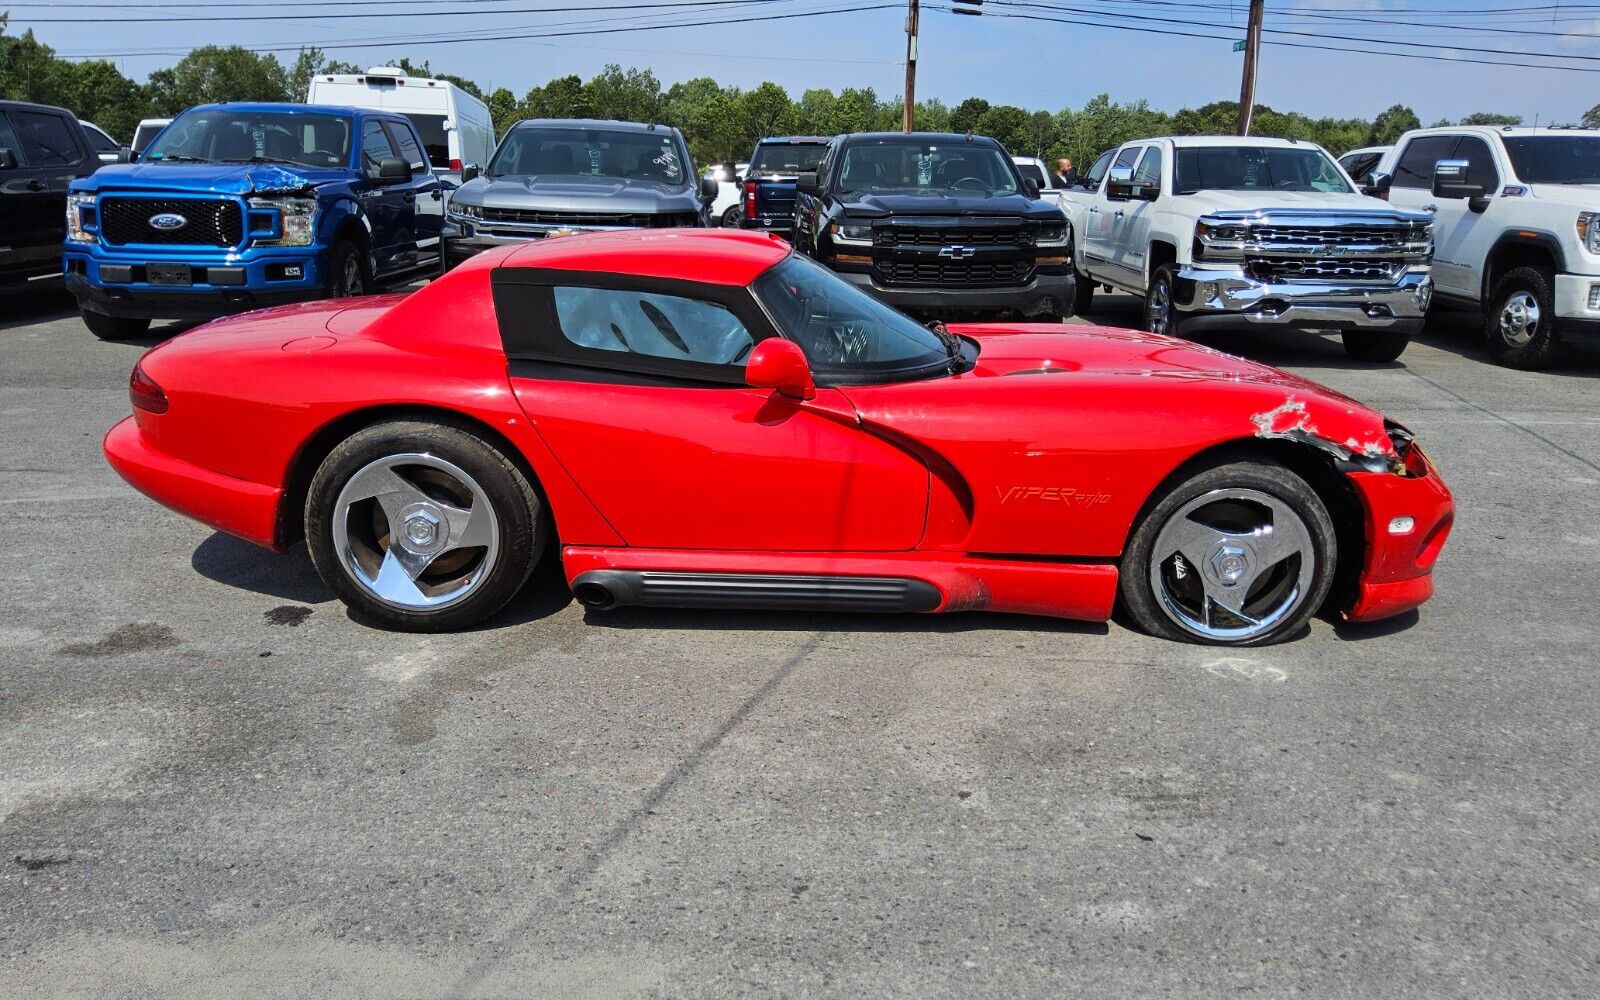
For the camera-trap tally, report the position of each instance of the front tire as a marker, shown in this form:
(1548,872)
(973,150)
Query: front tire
(347,273)
(1239,554)
(421,526)
(1158,306)
(1082,295)
(1519,323)
(1371,345)
(114,327)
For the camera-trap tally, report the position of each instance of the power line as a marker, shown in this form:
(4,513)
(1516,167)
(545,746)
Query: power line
(343,17)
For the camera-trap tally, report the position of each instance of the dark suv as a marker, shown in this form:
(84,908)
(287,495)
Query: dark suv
(941,226)
(42,150)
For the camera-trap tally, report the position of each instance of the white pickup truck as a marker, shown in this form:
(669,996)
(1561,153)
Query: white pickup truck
(1249,232)
(1516,227)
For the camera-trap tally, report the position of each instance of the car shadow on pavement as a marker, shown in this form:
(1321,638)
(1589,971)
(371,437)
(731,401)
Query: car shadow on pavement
(1362,631)
(33,304)
(236,563)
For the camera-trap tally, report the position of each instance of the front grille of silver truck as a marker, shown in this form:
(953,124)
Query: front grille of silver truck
(1295,247)
(1325,269)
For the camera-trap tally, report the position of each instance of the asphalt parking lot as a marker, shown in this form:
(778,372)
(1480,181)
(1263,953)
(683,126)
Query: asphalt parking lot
(214,783)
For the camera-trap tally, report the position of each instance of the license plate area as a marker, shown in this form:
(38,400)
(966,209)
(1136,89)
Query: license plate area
(180,275)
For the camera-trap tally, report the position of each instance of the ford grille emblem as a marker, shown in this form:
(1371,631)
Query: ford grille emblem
(167,221)
(957,252)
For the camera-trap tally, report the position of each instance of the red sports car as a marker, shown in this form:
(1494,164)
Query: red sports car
(703,418)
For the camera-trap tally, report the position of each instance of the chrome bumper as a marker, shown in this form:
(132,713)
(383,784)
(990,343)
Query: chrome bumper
(1213,297)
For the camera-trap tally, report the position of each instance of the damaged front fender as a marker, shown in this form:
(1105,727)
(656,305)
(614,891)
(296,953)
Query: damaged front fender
(1348,436)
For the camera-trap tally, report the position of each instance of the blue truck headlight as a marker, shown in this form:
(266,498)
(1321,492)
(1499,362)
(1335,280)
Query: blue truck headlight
(80,205)
(295,220)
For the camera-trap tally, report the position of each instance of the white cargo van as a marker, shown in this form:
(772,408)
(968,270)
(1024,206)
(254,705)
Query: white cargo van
(455,126)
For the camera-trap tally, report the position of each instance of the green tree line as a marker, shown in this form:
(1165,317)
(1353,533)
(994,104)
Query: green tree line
(722,123)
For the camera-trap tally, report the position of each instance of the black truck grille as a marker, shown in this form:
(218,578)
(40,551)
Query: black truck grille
(955,272)
(931,236)
(1336,269)
(208,222)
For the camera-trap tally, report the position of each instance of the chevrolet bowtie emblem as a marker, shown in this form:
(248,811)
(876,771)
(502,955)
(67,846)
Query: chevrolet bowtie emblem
(957,252)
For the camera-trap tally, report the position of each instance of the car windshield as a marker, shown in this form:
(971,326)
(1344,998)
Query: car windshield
(1256,168)
(1555,159)
(842,329)
(591,152)
(787,157)
(918,165)
(228,136)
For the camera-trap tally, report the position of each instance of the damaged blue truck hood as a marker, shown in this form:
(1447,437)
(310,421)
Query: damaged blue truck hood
(211,178)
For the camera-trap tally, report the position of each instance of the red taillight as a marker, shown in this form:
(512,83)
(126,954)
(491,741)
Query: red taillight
(749,199)
(455,164)
(144,392)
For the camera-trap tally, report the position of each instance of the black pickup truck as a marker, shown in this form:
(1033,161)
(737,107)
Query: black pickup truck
(42,150)
(940,226)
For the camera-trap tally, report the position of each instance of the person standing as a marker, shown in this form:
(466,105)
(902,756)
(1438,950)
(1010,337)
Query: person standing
(1065,176)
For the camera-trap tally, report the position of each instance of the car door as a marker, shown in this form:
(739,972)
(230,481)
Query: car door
(1462,237)
(385,205)
(421,211)
(1133,229)
(1412,187)
(49,154)
(637,388)
(1100,247)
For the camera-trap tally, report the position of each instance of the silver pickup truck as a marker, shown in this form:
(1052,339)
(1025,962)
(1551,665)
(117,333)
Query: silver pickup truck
(1231,232)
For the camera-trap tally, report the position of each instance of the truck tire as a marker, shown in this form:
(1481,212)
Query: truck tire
(1083,295)
(1519,322)
(1374,345)
(1158,316)
(346,274)
(731,217)
(114,327)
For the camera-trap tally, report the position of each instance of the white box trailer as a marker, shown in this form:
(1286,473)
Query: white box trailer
(455,126)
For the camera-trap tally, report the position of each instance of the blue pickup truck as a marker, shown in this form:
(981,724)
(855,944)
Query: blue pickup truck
(768,196)
(238,206)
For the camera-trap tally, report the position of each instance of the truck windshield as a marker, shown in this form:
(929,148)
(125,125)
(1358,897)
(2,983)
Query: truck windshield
(918,165)
(842,329)
(590,152)
(1556,159)
(1255,168)
(227,136)
(787,157)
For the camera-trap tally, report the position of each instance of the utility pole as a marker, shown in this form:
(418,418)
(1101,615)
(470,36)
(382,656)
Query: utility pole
(911,62)
(1252,57)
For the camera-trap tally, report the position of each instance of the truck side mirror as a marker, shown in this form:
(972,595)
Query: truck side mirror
(1378,185)
(709,187)
(125,154)
(1031,186)
(469,172)
(8,159)
(1450,181)
(806,183)
(1119,184)
(393,170)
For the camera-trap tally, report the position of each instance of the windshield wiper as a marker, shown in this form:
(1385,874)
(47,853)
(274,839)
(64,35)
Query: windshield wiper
(174,158)
(263,159)
(952,345)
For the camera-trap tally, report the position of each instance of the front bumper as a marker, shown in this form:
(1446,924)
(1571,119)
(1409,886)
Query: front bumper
(244,509)
(1213,298)
(1397,569)
(112,281)
(1045,295)
(1575,315)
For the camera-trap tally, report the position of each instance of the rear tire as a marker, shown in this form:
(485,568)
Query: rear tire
(1251,520)
(1371,345)
(389,522)
(731,217)
(1519,323)
(114,327)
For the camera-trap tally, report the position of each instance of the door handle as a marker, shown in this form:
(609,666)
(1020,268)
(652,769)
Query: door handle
(1120,214)
(1430,208)
(410,197)
(1093,210)
(34,185)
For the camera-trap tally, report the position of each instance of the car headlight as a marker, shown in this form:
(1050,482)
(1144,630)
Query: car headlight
(1589,231)
(1219,240)
(79,205)
(851,235)
(466,211)
(1053,236)
(296,221)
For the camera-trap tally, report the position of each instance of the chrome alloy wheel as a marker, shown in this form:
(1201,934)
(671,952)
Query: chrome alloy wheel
(415,531)
(1519,318)
(1231,564)
(1158,314)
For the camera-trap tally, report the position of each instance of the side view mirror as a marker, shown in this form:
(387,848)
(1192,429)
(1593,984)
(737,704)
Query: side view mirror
(125,154)
(780,364)
(1031,186)
(1378,185)
(1450,181)
(8,159)
(709,188)
(393,170)
(469,172)
(1119,184)
(806,183)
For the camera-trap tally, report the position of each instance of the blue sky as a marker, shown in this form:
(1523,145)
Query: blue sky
(1003,59)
